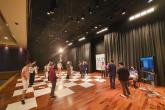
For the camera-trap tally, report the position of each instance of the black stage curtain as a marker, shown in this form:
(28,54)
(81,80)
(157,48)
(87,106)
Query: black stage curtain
(147,40)
(81,53)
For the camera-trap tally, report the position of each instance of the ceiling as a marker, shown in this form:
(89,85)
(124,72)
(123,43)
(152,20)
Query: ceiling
(6,37)
(15,15)
(65,21)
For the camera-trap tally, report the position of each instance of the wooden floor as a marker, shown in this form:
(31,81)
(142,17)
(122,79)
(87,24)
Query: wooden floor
(97,97)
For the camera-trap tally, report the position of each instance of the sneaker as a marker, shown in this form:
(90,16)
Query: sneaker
(122,95)
(23,102)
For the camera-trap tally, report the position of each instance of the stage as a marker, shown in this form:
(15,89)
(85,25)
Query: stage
(90,93)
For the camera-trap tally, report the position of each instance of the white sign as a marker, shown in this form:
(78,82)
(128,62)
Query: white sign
(100,62)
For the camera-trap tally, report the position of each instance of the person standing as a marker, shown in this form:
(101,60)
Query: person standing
(59,68)
(32,74)
(47,67)
(68,67)
(81,68)
(112,74)
(123,76)
(103,73)
(86,67)
(25,80)
(52,79)
(36,69)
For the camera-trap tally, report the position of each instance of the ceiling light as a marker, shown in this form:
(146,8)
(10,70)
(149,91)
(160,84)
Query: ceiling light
(21,49)
(51,12)
(123,13)
(81,39)
(102,30)
(143,13)
(70,44)
(61,50)
(65,31)
(95,27)
(48,13)
(82,18)
(6,38)
(6,47)
(90,11)
(66,41)
(149,1)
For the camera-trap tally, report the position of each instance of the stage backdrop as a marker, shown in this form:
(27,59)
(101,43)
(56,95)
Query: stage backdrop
(100,58)
(129,46)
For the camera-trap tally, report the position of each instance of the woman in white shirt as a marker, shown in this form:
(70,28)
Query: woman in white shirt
(59,68)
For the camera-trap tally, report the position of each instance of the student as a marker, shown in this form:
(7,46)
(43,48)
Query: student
(103,73)
(123,76)
(52,79)
(112,74)
(81,68)
(36,69)
(47,68)
(85,67)
(68,67)
(25,80)
(133,76)
(59,68)
(32,74)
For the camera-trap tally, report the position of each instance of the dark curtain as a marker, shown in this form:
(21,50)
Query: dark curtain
(147,40)
(81,53)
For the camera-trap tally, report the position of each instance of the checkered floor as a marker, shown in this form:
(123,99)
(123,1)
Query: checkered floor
(42,87)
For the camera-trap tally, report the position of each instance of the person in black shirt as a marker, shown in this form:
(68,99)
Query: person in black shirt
(123,76)
(112,73)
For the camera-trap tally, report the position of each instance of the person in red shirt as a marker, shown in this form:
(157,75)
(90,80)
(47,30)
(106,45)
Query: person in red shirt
(52,79)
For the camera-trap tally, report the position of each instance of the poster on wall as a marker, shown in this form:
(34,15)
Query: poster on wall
(100,58)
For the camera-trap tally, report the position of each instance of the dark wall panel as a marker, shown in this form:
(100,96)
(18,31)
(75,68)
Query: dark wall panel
(12,59)
(97,47)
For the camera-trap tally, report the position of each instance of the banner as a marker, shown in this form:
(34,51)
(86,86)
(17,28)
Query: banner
(100,61)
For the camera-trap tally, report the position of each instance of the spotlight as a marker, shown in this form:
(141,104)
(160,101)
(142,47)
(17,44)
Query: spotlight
(61,50)
(66,41)
(95,27)
(6,38)
(65,31)
(6,47)
(123,13)
(48,13)
(82,18)
(20,49)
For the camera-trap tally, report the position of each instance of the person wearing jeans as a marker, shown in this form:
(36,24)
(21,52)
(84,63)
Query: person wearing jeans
(123,76)
(52,79)
(112,73)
